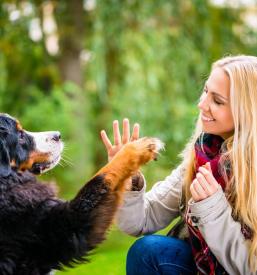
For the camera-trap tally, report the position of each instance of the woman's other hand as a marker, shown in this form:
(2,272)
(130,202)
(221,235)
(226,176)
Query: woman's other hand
(119,141)
(204,185)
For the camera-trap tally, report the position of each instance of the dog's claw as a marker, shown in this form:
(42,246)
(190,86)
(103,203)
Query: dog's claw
(155,158)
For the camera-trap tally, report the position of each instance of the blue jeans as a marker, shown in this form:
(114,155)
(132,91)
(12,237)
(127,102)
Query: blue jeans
(154,254)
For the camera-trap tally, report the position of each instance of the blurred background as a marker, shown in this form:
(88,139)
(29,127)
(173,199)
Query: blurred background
(75,66)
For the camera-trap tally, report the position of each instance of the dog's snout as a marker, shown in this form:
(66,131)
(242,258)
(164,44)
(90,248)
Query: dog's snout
(56,136)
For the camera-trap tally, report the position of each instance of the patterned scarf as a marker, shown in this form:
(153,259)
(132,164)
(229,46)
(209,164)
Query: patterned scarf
(207,149)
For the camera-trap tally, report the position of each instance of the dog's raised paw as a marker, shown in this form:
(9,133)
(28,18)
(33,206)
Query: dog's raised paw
(147,149)
(155,147)
(129,159)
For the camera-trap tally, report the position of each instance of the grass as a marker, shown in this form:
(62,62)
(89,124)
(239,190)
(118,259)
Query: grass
(110,257)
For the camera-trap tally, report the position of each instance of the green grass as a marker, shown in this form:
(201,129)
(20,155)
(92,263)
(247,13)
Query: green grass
(110,257)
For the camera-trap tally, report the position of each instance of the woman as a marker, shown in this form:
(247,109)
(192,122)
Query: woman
(214,189)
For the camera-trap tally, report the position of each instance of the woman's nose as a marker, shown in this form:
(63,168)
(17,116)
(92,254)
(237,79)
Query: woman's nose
(204,103)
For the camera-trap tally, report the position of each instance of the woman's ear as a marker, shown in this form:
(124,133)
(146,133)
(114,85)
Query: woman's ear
(5,167)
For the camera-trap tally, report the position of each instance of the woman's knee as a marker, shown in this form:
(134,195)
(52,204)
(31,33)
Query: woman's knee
(140,257)
(159,252)
(143,245)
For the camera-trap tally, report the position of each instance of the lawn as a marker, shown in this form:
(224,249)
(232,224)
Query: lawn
(110,257)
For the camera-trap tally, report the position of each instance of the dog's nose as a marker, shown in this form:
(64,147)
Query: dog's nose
(56,136)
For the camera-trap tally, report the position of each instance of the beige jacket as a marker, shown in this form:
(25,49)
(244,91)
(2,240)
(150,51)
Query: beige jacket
(146,213)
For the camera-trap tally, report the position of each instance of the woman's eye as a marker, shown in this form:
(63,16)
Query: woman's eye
(218,102)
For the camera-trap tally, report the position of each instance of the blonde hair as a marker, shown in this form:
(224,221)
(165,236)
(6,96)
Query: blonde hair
(241,148)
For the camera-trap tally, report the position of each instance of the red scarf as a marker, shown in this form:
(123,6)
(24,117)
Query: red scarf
(207,149)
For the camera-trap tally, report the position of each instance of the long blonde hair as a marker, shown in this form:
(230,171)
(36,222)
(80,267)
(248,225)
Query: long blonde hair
(241,148)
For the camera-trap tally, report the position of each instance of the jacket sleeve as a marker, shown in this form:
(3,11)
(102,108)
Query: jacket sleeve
(145,213)
(221,232)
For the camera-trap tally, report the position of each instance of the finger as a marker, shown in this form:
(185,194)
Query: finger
(207,165)
(126,131)
(209,177)
(204,184)
(106,140)
(116,132)
(135,133)
(200,191)
(194,194)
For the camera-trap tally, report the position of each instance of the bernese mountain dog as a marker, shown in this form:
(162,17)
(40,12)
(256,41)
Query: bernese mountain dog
(38,231)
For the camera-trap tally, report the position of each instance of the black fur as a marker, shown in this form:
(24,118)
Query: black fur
(15,144)
(39,232)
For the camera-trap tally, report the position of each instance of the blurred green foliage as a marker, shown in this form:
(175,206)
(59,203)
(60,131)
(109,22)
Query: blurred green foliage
(144,60)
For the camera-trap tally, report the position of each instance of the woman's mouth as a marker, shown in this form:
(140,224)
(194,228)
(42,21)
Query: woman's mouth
(206,119)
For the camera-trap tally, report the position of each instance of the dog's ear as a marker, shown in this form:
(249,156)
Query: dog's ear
(5,167)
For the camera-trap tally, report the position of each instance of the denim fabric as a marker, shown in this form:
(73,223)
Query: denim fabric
(154,254)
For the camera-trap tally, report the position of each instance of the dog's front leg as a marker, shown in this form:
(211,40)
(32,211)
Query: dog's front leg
(100,197)
(81,224)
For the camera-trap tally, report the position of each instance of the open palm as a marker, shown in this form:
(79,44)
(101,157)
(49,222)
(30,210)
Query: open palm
(119,140)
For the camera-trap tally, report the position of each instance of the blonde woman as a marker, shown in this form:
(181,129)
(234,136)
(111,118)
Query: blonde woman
(214,189)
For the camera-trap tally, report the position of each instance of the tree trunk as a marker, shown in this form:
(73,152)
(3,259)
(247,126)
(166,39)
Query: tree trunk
(70,17)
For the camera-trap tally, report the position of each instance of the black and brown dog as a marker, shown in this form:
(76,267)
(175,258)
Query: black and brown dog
(38,231)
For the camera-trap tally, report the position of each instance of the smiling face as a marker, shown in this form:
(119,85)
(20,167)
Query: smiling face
(214,105)
(23,150)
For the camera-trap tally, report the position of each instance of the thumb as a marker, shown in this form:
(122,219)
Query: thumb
(208,166)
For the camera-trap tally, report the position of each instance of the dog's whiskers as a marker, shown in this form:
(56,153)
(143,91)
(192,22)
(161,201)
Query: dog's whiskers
(65,162)
(65,147)
(66,157)
(61,164)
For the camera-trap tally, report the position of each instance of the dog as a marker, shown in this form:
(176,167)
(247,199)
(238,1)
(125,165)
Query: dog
(39,232)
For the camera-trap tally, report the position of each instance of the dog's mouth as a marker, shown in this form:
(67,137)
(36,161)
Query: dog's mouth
(41,167)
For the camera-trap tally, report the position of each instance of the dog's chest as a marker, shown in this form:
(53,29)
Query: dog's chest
(20,207)
(18,197)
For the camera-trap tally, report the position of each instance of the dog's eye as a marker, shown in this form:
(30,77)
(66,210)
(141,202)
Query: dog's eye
(3,129)
(3,132)
(21,136)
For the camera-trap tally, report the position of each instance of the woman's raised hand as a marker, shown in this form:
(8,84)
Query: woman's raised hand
(204,185)
(119,141)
